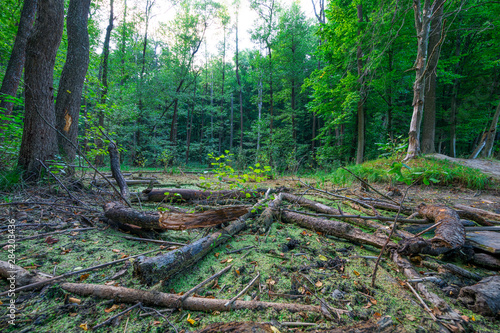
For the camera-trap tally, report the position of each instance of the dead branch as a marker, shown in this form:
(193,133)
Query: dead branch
(152,270)
(481,212)
(127,295)
(204,282)
(244,291)
(117,174)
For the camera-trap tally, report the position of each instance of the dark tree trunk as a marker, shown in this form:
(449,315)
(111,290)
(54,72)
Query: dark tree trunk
(69,95)
(239,85)
(39,140)
(429,121)
(490,137)
(103,77)
(15,66)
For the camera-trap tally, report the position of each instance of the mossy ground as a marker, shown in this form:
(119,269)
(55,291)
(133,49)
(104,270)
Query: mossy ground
(282,272)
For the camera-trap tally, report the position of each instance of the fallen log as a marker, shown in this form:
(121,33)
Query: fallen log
(266,218)
(449,233)
(335,228)
(481,212)
(114,158)
(443,307)
(184,194)
(321,208)
(152,270)
(169,220)
(483,297)
(128,295)
(486,260)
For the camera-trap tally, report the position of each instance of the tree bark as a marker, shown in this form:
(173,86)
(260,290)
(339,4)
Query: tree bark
(163,267)
(39,141)
(490,137)
(15,66)
(449,233)
(128,295)
(69,96)
(171,221)
(429,127)
(115,171)
(422,26)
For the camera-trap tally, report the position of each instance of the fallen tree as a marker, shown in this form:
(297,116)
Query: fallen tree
(186,195)
(171,220)
(449,233)
(162,267)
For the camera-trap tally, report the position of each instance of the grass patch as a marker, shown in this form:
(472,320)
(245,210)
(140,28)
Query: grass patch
(446,172)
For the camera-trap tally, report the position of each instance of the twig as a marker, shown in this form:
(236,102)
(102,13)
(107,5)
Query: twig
(244,290)
(109,320)
(55,278)
(296,324)
(429,229)
(155,311)
(374,274)
(366,183)
(48,234)
(161,315)
(60,183)
(204,282)
(421,301)
(242,249)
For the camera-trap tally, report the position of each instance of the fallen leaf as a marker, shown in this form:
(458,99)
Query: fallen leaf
(73,314)
(322,258)
(115,251)
(410,317)
(373,301)
(356,273)
(83,277)
(472,318)
(124,256)
(367,305)
(50,240)
(84,326)
(217,255)
(74,300)
(215,313)
(319,284)
(189,320)
(230,259)
(237,272)
(465,318)
(109,283)
(111,309)
(377,315)
(223,261)
(156,322)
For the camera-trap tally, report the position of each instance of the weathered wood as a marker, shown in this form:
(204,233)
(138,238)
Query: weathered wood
(163,267)
(266,218)
(321,208)
(170,220)
(115,171)
(184,194)
(488,241)
(486,260)
(466,215)
(334,228)
(128,295)
(449,234)
(481,212)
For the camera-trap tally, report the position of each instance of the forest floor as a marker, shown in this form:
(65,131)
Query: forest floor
(489,167)
(329,268)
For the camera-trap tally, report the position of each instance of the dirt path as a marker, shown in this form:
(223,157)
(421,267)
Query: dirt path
(487,166)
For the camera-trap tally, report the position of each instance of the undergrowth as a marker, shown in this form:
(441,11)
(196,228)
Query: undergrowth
(445,172)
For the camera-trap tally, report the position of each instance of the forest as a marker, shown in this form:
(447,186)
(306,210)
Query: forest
(249,166)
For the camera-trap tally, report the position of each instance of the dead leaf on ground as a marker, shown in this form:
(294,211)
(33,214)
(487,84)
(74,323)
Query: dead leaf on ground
(111,309)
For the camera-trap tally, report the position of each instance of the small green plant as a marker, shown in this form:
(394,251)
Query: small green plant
(166,158)
(223,171)
(411,176)
(395,148)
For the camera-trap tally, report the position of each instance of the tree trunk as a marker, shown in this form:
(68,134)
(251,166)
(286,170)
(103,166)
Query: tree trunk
(39,141)
(103,77)
(169,220)
(15,66)
(232,124)
(422,26)
(69,96)
(429,128)
(361,111)
(258,121)
(239,81)
(492,132)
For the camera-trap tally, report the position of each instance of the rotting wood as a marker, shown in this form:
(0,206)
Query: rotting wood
(128,295)
(488,241)
(486,260)
(40,282)
(266,218)
(466,215)
(481,212)
(183,194)
(435,300)
(169,220)
(152,270)
(321,208)
(335,228)
(449,234)
(114,158)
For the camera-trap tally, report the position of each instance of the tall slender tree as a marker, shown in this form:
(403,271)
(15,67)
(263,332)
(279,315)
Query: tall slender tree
(69,96)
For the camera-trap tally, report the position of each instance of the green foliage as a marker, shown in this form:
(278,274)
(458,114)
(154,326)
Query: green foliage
(223,172)
(10,180)
(395,148)
(11,129)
